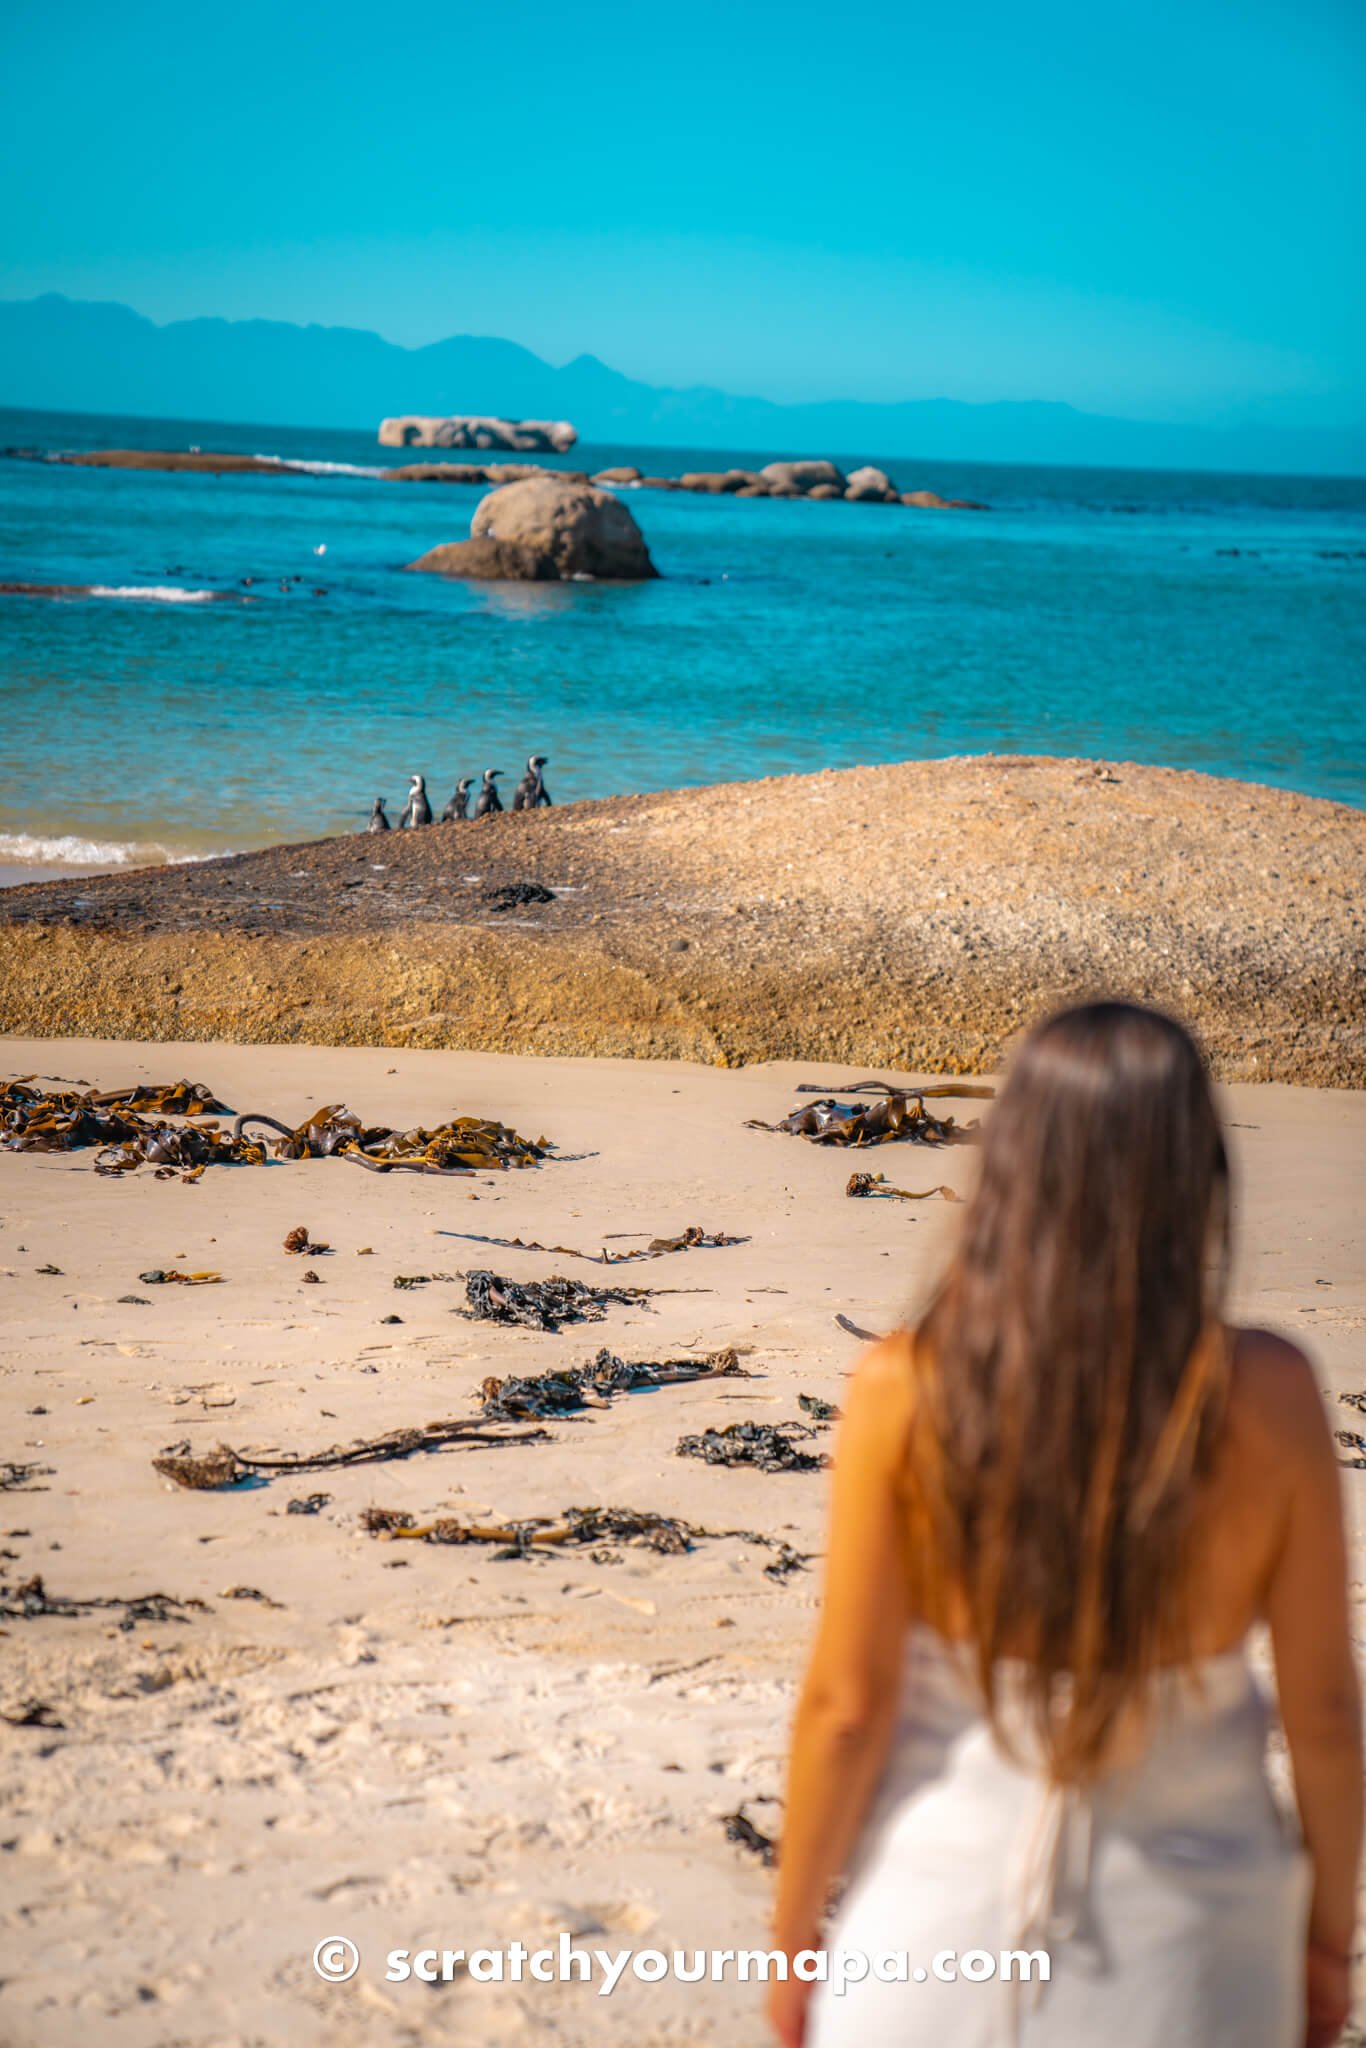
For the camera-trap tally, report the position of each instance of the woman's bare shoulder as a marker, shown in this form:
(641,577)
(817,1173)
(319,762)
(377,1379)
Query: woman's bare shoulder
(879,1391)
(1275,1390)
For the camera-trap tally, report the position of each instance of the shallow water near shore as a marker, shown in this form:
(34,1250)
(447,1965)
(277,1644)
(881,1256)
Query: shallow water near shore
(1211,622)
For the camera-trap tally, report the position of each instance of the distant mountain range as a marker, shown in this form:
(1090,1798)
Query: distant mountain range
(71,355)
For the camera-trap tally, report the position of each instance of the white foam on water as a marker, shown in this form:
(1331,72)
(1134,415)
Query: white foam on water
(153,593)
(68,850)
(320,468)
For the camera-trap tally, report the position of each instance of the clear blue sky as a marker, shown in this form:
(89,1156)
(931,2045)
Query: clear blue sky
(1151,210)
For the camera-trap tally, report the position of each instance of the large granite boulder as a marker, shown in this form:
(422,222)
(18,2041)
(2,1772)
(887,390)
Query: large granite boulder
(871,486)
(546,530)
(474,430)
(802,477)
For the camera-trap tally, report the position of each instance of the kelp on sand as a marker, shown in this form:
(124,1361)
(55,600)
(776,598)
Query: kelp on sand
(769,1446)
(595,1529)
(693,1238)
(37,1118)
(575,1387)
(224,1466)
(899,1113)
(877,1184)
(30,1601)
(542,1304)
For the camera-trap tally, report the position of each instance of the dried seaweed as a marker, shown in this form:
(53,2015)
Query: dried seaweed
(769,1446)
(745,1835)
(878,1184)
(15,1478)
(818,1410)
(548,1394)
(1352,1440)
(855,1330)
(155,1277)
(308,1504)
(34,1118)
(964,1091)
(542,1304)
(224,1466)
(585,1526)
(694,1238)
(899,1114)
(31,1600)
(589,1528)
(298,1240)
(464,1145)
(173,1098)
(218,1467)
(787,1561)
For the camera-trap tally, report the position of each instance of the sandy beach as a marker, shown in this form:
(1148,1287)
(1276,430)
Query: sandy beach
(415,1744)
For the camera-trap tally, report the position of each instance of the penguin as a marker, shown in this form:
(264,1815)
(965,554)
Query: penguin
(419,811)
(378,821)
(488,800)
(459,805)
(531,791)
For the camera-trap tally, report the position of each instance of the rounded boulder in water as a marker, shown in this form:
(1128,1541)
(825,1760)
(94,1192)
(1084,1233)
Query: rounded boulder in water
(546,529)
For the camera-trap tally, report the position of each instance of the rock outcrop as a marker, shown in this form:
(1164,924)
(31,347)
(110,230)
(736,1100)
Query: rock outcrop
(473,430)
(803,477)
(723,482)
(930,501)
(871,486)
(546,530)
(927,911)
(625,474)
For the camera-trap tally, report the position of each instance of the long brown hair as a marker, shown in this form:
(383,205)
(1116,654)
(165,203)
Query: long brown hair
(1069,1370)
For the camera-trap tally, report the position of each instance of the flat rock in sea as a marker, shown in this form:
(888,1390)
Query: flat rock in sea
(546,529)
(475,430)
(913,917)
(930,501)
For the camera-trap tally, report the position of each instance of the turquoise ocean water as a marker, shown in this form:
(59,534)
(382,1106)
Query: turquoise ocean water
(1210,622)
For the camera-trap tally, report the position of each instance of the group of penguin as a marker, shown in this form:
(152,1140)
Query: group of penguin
(530,795)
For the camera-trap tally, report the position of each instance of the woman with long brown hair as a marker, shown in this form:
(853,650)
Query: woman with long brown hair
(1060,1504)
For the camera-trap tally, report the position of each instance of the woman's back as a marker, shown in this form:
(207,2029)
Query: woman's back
(1244,1502)
(1058,1509)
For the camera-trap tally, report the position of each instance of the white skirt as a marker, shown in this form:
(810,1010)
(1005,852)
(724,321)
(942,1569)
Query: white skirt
(1169,1900)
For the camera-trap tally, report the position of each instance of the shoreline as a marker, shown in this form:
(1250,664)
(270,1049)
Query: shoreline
(916,915)
(536,1743)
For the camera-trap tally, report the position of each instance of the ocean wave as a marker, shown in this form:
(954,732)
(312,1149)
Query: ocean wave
(68,850)
(320,468)
(138,593)
(153,593)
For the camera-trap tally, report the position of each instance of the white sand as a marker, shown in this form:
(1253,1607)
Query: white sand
(422,1745)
